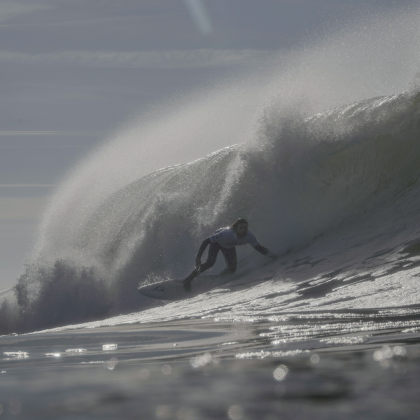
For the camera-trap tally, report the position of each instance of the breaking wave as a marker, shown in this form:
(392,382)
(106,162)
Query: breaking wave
(293,172)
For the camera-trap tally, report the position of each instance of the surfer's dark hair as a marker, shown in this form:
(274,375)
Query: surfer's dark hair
(239,222)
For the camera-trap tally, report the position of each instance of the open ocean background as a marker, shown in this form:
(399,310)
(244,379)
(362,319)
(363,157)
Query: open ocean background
(321,154)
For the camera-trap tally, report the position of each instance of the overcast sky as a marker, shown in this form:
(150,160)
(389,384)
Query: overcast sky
(73,70)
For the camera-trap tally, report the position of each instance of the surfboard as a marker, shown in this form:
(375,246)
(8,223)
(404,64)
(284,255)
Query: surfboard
(174,289)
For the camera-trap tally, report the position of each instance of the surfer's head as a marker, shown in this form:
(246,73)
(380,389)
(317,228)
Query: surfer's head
(240,227)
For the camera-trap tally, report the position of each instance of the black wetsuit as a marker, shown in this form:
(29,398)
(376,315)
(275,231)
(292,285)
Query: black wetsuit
(228,253)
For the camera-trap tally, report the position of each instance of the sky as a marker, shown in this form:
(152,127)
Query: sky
(73,71)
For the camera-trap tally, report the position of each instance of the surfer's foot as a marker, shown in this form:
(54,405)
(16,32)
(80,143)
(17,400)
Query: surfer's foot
(187,285)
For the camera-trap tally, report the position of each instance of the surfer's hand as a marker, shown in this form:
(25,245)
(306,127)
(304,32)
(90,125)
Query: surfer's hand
(198,263)
(271,255)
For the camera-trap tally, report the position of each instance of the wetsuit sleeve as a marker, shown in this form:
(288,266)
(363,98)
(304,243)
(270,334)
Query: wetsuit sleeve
(203,246)
(252,240)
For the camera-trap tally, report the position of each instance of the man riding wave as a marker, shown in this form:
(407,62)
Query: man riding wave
(225,240)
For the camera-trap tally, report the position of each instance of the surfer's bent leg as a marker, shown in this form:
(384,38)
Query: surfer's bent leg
(214,249)
(211,257)
(231,260)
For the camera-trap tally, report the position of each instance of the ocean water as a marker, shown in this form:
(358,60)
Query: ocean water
(322,157)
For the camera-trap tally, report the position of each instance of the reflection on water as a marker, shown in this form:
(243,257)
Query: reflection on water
(108,347)
(280,373)
(166,369)
(15,354)
(112,363)
(235,412)
(15,407)
(208,375)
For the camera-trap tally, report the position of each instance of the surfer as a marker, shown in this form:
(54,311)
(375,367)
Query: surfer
(225,240)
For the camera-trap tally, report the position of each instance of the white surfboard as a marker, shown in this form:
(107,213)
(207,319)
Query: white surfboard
(174,289)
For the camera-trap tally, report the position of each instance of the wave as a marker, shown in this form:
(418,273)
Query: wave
(299,178)
(291,158)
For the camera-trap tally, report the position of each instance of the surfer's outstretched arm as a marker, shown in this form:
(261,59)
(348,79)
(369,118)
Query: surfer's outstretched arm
(264,251)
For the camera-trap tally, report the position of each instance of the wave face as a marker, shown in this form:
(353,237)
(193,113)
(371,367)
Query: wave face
(118,221)
(302,178)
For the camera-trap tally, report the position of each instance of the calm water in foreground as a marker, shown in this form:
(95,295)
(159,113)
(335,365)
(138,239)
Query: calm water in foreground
(202,369)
